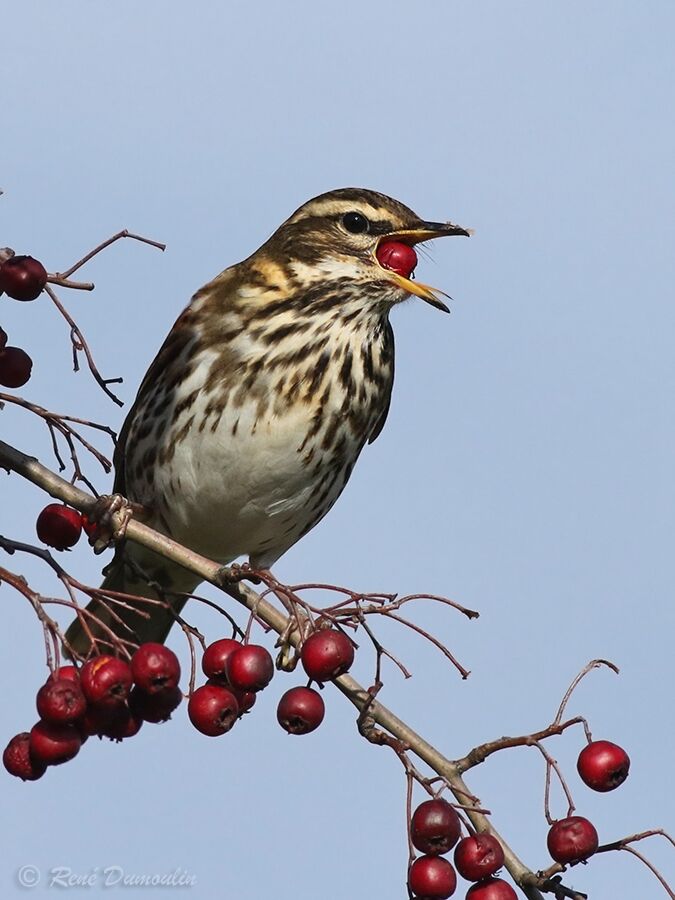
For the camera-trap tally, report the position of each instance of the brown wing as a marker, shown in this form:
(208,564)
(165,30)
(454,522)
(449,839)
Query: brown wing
(180,334)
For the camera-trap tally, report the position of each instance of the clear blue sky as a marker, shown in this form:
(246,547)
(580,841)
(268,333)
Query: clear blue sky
(527,466)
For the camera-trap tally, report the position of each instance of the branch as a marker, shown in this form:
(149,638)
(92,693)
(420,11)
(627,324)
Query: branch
(29,468)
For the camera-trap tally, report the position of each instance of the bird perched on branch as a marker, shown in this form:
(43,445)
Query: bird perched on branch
(249,421)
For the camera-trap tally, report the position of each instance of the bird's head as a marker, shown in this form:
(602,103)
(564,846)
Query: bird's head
(337,238)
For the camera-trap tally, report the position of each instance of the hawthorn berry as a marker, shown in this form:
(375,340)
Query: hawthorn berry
(249,668)
(90,528)
(106,680)
(399,257)
(491,889)
(155,707)
(245,699)
(54,744)
(327,654)
(300,710)
(155,668)
(213,709)
(603,765)
(59,526)
(114,722)
(572,839)
(215,658)
(71,673)
(18,761)
(435,827)
(60,701)
(15,367)
(3,341)
(22,277)
(432,877)
(478,856)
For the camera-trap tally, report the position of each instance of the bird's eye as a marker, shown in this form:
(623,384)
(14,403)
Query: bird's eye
(355,222)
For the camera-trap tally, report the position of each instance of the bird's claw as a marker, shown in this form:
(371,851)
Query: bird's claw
(111,515)
(236,572)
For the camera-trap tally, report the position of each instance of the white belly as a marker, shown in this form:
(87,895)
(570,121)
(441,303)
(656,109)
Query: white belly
(239,492)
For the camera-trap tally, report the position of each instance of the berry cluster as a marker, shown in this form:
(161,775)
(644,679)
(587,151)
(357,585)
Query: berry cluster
(435,828)
(236,672)
(107,697)
(21,278)
(602,766)
(110,697)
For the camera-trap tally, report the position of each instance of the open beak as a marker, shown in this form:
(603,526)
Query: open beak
(425,231)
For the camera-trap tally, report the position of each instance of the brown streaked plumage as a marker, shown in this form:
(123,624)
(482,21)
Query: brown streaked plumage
(249,421)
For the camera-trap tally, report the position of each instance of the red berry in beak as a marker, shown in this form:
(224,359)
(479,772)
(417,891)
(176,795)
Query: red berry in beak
(400,258)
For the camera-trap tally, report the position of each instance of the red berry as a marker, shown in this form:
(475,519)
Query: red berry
(15,367)
(54,744)
(491,889)
(154,707)
(114,722)
(120,723)
(18,761)
(478,856)
(22,277)
(432,877)
(70,673)
(215,658)
(400,258)
(3,341)
(603,765)
(249,668)
(123,724)
(245,700)
(106,680)
(155,668)
(59,526)
(300,710)
(213,709)
(572,839)
(435,827)
(91,529)
(61,701)
(327,654)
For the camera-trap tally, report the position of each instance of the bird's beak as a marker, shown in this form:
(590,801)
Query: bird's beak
(425,231)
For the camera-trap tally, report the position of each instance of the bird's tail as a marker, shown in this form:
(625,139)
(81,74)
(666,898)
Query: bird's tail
(103,621)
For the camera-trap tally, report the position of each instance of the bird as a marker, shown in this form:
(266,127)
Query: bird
(249,421)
